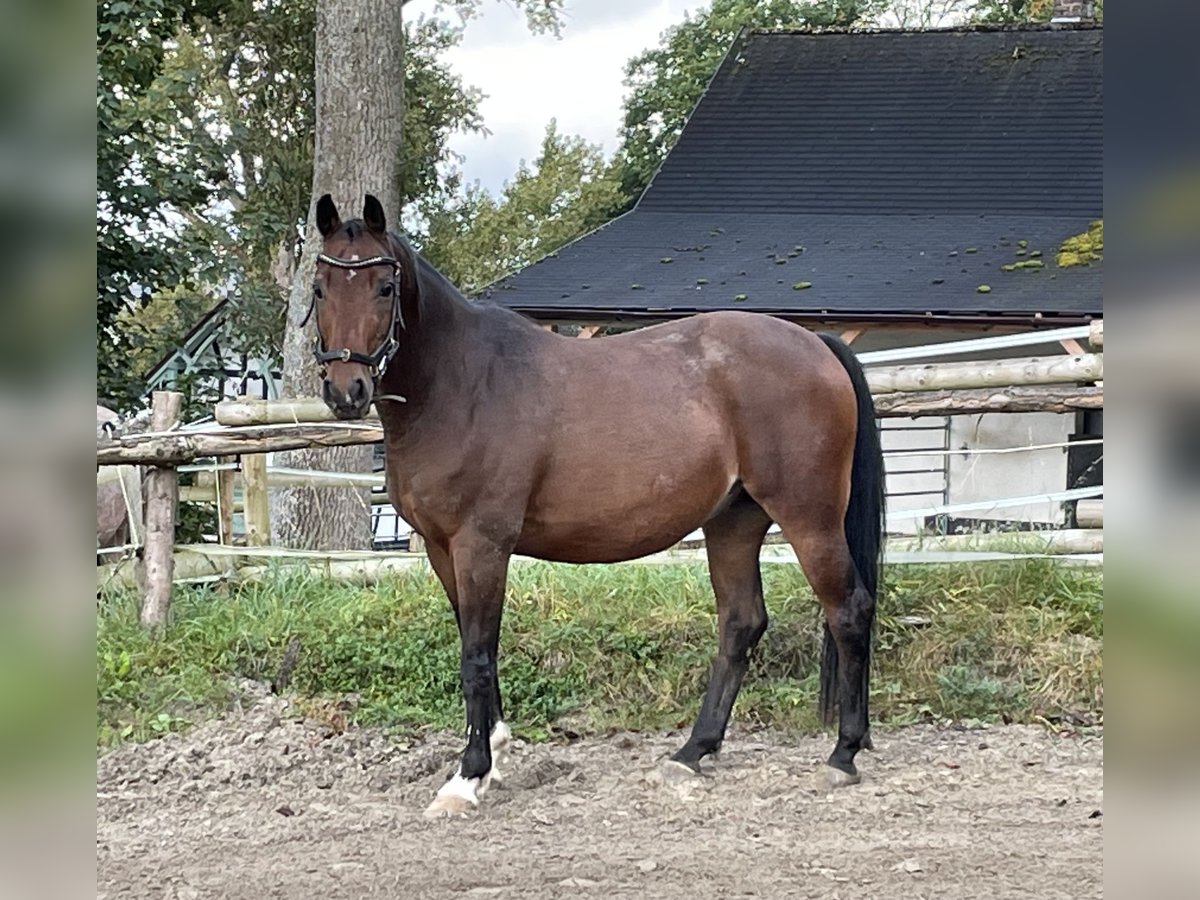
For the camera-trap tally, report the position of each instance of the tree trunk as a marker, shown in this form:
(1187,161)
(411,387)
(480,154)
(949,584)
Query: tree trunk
(360,102)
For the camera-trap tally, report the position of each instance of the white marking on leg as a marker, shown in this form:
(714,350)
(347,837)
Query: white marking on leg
(467,789)
(499,742)
(459,794)
(501,735)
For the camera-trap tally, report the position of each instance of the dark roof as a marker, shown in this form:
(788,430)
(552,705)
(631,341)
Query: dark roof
(888,156)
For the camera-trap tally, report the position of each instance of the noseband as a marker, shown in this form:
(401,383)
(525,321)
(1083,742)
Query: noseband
(376,362)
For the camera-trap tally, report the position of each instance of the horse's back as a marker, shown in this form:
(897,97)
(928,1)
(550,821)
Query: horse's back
(728,341)
(743,365)
(647,432)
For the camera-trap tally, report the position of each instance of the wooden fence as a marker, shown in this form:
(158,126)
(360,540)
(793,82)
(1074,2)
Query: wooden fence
(250,429)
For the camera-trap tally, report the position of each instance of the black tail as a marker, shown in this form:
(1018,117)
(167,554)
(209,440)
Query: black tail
(864,515)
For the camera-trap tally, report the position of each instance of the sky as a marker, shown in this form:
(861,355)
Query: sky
(528,80)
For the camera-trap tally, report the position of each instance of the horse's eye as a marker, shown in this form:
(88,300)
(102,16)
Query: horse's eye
(317,292)
(386,290)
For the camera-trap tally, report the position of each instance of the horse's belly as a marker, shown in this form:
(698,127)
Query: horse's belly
(627,513)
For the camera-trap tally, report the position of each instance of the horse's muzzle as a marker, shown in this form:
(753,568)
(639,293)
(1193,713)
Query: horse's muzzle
(350,402)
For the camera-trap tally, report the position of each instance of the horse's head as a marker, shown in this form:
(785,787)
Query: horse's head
(362,274)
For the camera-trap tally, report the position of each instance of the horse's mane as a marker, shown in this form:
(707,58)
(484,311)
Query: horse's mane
(500,322)
(499,318)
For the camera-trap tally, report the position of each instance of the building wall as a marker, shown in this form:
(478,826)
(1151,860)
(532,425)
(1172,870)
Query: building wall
(967,478)
(995,476)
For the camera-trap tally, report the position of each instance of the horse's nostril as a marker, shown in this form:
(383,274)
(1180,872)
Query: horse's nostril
(352,397)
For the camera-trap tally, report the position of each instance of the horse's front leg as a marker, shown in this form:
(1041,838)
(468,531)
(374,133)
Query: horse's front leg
(480,570)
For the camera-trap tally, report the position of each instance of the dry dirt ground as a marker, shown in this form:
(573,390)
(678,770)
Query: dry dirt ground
(259,805)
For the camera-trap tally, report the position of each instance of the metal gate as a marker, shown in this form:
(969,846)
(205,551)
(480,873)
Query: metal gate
(917,464)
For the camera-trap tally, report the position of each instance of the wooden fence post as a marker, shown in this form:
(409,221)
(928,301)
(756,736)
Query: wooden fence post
(256,507)
(161,503)
(225,489)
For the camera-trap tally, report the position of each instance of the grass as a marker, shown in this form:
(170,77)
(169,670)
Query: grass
(585,649)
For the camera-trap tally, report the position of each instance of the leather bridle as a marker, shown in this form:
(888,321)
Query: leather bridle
(376,362)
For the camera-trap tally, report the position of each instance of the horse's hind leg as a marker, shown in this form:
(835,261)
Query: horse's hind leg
(732,539)
(820,545)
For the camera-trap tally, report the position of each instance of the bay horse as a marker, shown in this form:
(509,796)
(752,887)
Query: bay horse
(502,438)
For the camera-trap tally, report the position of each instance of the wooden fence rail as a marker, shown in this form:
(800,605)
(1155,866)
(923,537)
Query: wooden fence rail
(1025,398)
(250,428)
(958,381)
(178,447)
(175,448)
(1081,368)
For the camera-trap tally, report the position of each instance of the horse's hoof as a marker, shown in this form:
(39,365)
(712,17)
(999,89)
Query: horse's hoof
(674,771)
(448,806)
(867,743)
(458,797)
(836,778)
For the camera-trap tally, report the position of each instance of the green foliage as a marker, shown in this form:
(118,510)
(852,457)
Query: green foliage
(541,16)
(966,689)
(1014,11)
(161,322)
(666,82)
(476,238)
(585,648)
(153,156)
(935,13)
(204,157)
(204,114)
(1020,640)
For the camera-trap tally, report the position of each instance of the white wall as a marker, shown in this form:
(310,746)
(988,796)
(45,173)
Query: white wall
(975,478)
(989,477)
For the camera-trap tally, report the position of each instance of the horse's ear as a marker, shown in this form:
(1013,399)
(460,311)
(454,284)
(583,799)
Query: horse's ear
(327,216)
(374,217)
